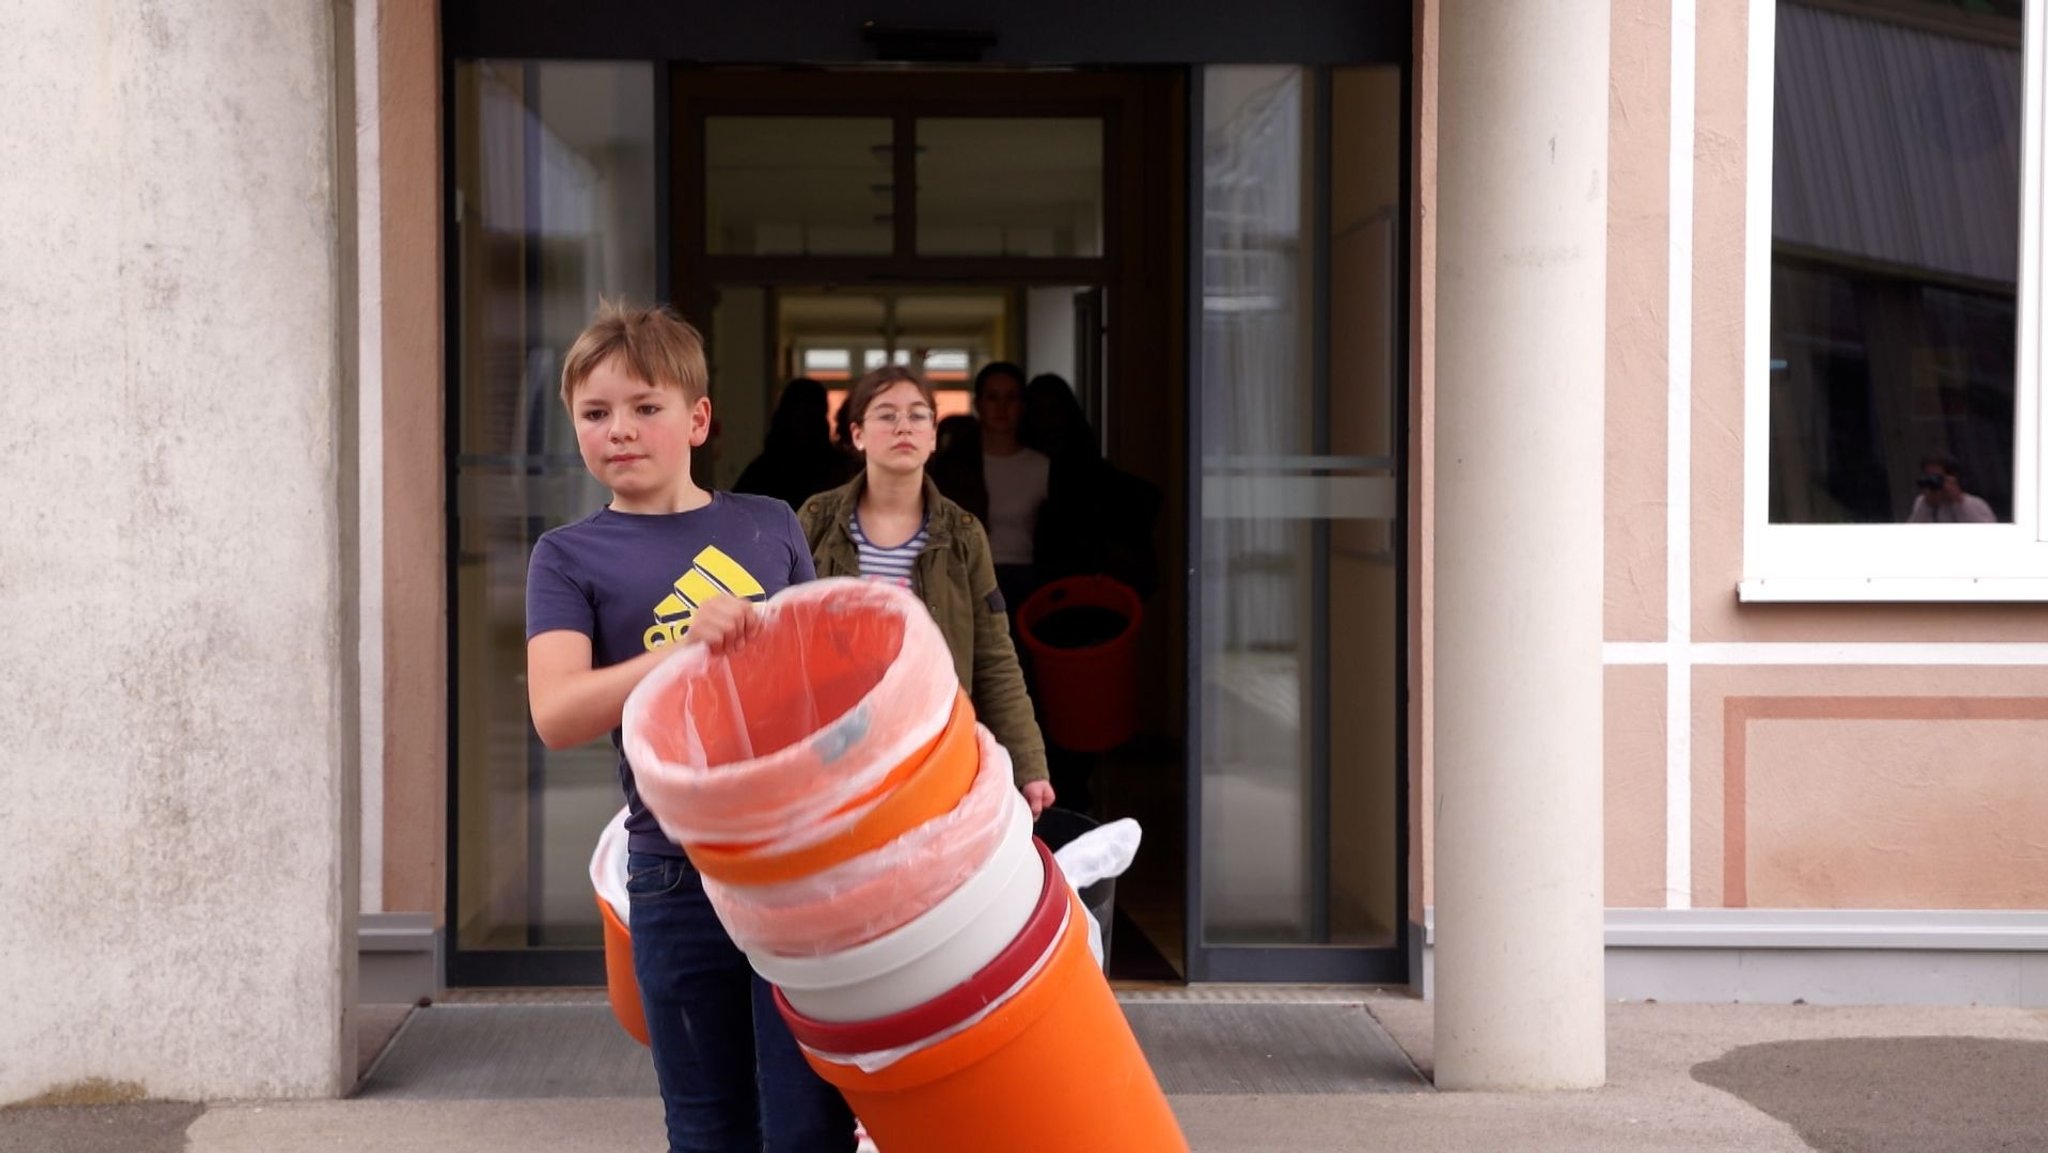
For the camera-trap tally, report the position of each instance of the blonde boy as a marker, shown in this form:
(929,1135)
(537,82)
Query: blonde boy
(664,564)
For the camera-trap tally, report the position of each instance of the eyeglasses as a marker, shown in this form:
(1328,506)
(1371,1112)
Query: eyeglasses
(919,418)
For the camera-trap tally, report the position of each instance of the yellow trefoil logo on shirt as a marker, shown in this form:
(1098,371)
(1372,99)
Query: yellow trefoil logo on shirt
(712,574)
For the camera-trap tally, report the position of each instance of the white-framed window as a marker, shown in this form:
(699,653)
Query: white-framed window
(1894,303)
(955,361)
(875,358)
(836,362)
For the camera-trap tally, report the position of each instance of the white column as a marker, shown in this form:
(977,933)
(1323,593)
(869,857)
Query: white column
(177,853)
(1520,322)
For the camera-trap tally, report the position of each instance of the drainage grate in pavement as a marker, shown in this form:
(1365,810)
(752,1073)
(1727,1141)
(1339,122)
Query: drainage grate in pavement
(1202,1048)
(526,995)
(511,1052)
(1259,995)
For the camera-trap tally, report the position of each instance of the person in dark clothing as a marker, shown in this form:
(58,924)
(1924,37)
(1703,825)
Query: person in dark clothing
(1097,518)
(956,466)
(1017,477)
(799,460)
(1053,421)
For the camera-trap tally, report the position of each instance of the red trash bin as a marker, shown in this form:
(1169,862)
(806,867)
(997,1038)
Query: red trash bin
(1082,634)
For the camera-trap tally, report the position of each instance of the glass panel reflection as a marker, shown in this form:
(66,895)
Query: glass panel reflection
(1299,569)
(1895,219)
(1009,187)
(1256,402)
(555,173)
(799,186)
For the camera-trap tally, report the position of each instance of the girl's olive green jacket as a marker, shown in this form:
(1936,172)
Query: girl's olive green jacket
(956,578)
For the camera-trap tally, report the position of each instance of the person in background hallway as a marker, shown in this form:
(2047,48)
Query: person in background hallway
(1018,478)
(1053,421)
(956,466)
(1096,518)
(799,461)
(891,523)
(1942,499)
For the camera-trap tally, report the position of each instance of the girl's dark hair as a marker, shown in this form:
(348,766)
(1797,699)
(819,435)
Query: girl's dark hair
(1054,423)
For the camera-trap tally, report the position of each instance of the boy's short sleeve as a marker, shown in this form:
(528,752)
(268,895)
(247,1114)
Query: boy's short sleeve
(801,567)
(555,600)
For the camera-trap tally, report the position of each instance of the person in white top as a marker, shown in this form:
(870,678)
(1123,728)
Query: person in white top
(1018,479)
(1942,499)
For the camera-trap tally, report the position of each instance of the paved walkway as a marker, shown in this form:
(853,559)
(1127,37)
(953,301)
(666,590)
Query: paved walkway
(1840,1080)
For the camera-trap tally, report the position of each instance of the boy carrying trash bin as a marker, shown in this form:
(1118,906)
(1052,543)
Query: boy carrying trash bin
(663,565)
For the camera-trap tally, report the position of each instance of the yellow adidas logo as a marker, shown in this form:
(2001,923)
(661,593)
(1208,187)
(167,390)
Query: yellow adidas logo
(712,574)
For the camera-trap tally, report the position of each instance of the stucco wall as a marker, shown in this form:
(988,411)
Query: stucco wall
(1718,390)
(1799,786)
(1870,788)
(1638,328)
(174,585)
(1635,797)
(1805,785)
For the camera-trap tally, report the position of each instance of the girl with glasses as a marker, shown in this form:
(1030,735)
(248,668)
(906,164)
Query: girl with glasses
(891,523)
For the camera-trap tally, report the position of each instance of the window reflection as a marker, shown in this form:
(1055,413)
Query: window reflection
(1009,187)
(798,186)
(1895,216)
(1299,578)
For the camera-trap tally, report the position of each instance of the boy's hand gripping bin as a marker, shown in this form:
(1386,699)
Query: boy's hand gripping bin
(861,838)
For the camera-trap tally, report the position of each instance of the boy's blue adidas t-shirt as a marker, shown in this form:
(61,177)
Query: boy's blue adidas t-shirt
(630,583)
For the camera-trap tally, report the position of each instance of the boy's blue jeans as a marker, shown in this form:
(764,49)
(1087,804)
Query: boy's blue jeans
(732,1079)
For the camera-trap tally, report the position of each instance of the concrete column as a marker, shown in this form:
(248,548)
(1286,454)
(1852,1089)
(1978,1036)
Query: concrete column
(177,825)
(1520,314)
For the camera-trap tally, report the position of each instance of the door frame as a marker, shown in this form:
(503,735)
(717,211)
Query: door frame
(673,39)
(1059,33)
(904,98)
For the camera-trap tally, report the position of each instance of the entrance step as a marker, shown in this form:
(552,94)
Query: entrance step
(1199,1041)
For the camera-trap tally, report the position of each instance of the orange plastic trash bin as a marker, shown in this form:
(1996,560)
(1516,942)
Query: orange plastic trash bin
(927,786)
(814,762)
(1082,634)
(1055,1066)
(792,740)
(620,986)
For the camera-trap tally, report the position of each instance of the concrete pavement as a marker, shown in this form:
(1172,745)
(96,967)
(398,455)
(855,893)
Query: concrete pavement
(1833,1079)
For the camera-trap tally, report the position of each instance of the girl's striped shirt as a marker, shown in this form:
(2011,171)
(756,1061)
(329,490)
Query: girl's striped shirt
(894,565)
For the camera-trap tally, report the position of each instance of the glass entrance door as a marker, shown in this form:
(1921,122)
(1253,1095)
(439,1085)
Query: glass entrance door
(1296,605)
(812,222)
(811,225)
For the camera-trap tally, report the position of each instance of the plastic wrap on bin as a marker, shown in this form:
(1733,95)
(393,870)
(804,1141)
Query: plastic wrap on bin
(1100,853)
(789,740)
(608,867)
(881,890)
